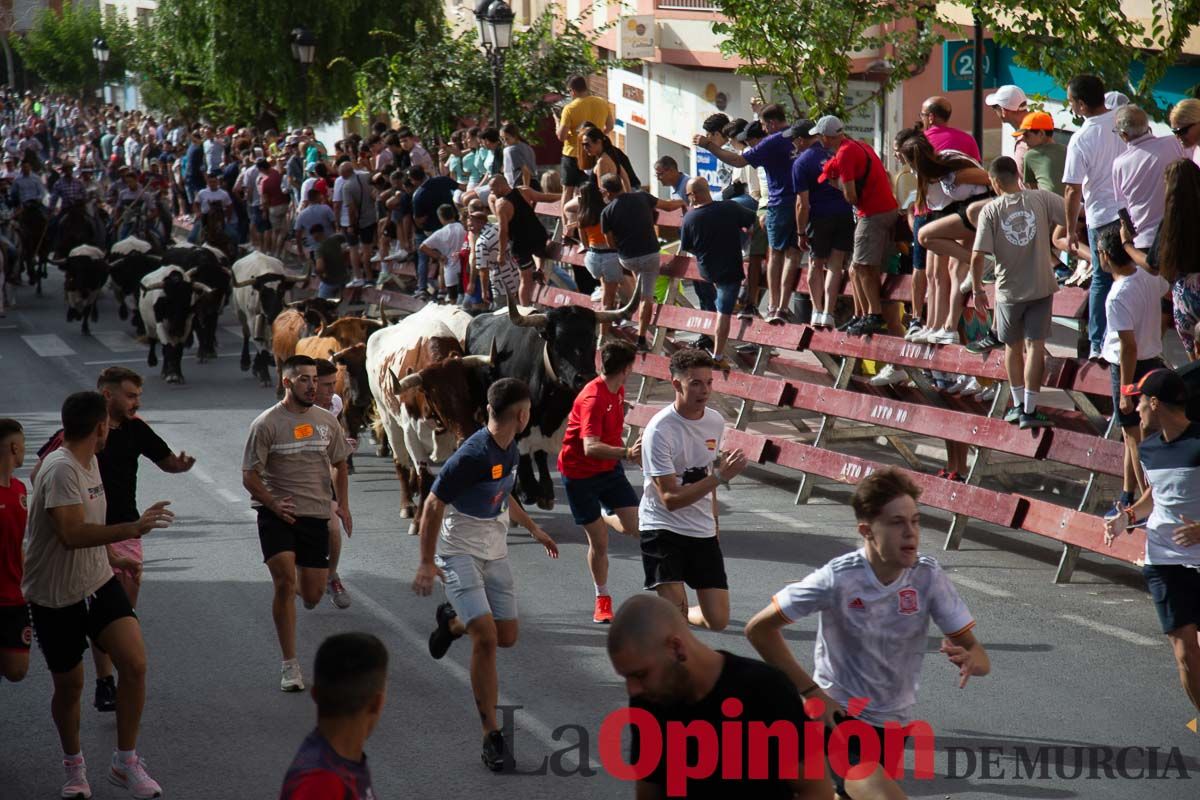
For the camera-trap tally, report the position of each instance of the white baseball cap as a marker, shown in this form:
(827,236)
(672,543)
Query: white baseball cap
(1008,97)
(828,125)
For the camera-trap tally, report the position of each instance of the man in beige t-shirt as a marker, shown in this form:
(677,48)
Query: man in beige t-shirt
(1016,229)
(74,597)
(285,467)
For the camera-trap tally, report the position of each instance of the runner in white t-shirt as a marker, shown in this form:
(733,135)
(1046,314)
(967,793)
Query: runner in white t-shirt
(875,605)
(683,464)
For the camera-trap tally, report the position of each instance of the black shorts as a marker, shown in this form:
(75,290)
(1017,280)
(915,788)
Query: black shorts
(16,634)
(572,175)
(63,633)
(671,558)
(826,234)
(1175,590)
(524,258)
(307,537)
(364,235)
(610,490)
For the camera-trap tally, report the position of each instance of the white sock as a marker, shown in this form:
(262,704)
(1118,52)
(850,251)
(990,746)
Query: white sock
(125,756)
(1017,392)
(1031,398)
(77,757)
(601,589)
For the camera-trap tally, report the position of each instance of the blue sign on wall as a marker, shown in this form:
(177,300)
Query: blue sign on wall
(706,166)
(958,65)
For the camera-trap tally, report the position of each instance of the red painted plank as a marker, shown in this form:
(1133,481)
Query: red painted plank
(734,384)
(995,434)
(895,350)
(786,337)
(984,504)
(1083,530)
(1091,378)
(1086,450)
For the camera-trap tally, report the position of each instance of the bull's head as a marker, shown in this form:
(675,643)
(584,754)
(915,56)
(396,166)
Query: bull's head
(272,289)
(317,311)
(452,393)
(570,333)
(128,270)
(176,306)
(82,277)
(350,331)
(354,358)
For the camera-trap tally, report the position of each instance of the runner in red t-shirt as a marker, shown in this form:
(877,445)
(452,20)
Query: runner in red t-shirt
(16,635)
(590,464)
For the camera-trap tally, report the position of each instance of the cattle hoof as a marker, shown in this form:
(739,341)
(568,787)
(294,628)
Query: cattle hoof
(413,530)
(546,505)
(152,360)
(245,363)
(122,312)
(406,512)
(95,313)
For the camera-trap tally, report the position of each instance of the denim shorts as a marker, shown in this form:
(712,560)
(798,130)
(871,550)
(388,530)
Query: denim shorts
(781,227)
(604,265)
(477,588)
(727,297)
(329,291)
(610,490)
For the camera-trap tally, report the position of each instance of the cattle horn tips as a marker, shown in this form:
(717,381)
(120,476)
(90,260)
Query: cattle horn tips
(477,361)
(407,384)
(626,310)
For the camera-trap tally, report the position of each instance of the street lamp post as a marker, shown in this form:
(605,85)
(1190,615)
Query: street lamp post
(100,53)
(304,49)
(495,20)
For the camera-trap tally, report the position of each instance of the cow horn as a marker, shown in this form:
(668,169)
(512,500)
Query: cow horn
(627,310)
(345,351)
(524,320)
(153,287)
(201,287)
(243,284)
(477,361)
(383,313)
(407,384)
(303,278)
(191,273)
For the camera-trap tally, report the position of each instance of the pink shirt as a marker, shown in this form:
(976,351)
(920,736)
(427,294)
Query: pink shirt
(943,137)
(1138,182)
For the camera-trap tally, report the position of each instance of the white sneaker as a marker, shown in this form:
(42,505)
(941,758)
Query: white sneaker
(597,294)
(292,680)
(973,387)
(917,334)
(959,384)
(133,776)
(76,784)
(887,376)
(942,337)
(824,319)
(987,395)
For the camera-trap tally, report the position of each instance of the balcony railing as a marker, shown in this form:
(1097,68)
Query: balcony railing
(686,5)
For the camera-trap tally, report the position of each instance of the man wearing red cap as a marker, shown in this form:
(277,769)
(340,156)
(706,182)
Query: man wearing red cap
(1170,456)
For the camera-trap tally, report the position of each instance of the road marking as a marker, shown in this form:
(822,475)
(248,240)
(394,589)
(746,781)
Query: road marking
(188,356)
(1111,630)
(782,519)
(234,330)
(118,341)
(47,345)
(419,642)
(224,493)
(979,586)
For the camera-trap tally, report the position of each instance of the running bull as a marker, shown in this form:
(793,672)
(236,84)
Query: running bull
(168,308)
(260,287)
(555,353)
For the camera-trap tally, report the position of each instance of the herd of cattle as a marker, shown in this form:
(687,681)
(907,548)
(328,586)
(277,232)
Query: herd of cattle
(423,378)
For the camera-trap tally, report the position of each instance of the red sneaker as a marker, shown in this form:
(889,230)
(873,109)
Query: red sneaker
(603,613)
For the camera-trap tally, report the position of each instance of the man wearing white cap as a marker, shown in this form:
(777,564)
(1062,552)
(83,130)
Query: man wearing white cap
(1011,105)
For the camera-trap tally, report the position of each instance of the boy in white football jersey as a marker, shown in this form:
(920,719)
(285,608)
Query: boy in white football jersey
(875,605)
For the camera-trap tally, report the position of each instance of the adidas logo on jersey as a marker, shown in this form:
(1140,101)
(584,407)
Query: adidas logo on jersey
(857,605)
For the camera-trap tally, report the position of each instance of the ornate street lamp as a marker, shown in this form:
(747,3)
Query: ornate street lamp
(495,20)
(304,50)
(100,52)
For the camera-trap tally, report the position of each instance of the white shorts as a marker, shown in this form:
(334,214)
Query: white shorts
(476,587)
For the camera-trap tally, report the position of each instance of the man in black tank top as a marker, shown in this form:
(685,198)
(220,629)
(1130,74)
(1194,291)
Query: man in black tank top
(521,232)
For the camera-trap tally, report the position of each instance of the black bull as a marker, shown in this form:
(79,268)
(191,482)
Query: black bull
(554,352)
(211,270)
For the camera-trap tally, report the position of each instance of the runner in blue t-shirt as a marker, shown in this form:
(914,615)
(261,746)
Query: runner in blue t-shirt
(824,220)
(774,154)
(465,520)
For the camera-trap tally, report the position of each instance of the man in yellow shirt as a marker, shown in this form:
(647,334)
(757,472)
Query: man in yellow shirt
(584,107)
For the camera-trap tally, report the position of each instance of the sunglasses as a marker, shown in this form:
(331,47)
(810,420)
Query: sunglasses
(1180,132)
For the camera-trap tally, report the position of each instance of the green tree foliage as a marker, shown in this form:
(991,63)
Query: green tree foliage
(233,59)
(1097,37)
(806,47)
(58,49)
(438,76)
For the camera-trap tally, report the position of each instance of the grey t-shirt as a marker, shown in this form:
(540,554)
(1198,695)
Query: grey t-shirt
(517,156)
(56,577)
(1016,229)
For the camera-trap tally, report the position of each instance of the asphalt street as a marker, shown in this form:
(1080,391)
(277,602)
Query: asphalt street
(1075,666)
